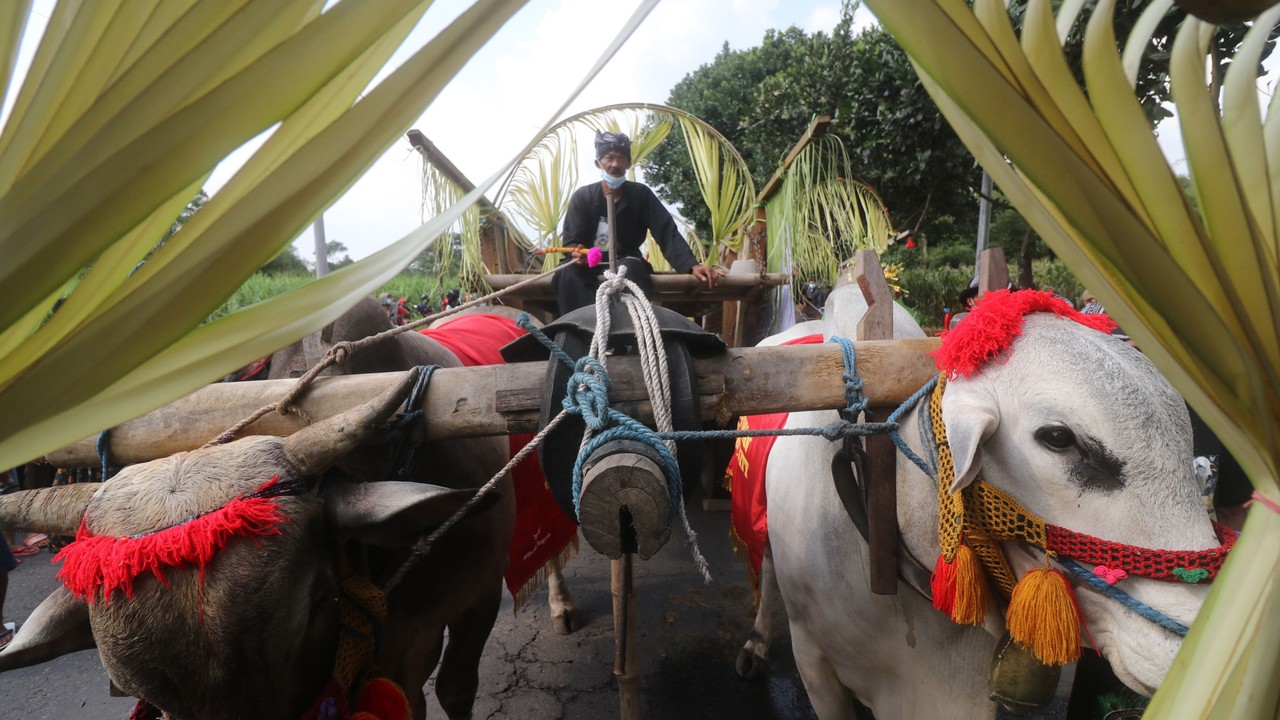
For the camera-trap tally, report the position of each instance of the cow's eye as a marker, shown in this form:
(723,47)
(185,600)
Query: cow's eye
(1056,437)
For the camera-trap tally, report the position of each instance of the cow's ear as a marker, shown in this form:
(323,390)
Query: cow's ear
(394,514)
(59,626)
(969,421)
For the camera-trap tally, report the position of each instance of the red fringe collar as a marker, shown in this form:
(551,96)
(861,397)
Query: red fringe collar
(993,324)
(109,563)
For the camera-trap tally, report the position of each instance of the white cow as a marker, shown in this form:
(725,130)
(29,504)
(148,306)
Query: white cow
(1074,424)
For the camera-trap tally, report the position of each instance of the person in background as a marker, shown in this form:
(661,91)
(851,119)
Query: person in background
(451,299)
(814,300)
(638,213)
(967,298)
(8,563)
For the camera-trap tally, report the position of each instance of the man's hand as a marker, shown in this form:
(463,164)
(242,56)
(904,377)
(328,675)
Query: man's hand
(705,274)
(580,255)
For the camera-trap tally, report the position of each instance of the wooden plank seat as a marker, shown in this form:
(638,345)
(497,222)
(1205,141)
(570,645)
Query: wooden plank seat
(680,292)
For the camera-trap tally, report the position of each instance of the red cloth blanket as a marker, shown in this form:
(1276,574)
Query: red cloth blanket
(745,477)
(543,532)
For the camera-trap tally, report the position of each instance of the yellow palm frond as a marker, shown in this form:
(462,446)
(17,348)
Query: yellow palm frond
(722,173)
(124,112)
(1196,285)
(819,218)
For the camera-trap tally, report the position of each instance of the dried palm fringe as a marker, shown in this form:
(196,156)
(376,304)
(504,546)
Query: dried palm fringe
(535,583)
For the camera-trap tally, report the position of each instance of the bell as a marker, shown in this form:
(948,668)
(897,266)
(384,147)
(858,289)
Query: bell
(1019,682)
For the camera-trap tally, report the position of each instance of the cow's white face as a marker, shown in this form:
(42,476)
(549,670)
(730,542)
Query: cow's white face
(1083,431)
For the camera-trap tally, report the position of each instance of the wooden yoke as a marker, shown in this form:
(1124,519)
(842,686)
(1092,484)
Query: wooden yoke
(881,480)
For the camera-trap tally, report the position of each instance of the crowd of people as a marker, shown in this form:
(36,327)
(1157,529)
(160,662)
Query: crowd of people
(401,312)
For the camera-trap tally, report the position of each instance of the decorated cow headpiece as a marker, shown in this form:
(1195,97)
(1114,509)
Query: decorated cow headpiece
(995,322)
(972,522)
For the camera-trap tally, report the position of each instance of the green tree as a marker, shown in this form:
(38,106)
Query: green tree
(187,213)
(338,254)
(762,99)
(287,262)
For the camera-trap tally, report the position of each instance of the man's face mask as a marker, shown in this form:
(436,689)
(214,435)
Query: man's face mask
(613,182)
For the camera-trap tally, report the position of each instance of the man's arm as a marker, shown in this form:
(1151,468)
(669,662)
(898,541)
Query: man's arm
(664,230)
(674,247)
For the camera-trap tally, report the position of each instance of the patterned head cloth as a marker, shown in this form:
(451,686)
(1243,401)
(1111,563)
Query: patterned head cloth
(610,142)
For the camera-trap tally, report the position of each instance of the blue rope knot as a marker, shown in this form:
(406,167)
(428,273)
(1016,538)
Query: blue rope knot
(526,323)
(627,428)
(588,392)
(857,402)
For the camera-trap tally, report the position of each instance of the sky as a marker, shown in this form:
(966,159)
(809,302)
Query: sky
(510,89)
(512,86)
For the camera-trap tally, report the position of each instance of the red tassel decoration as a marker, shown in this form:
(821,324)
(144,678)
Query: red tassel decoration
(383,699)
(943,585)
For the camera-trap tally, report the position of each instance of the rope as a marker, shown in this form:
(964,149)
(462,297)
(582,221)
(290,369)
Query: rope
(405,454)
(339,352)
(903,409)
(1122,597)
(653,364)
(1269,504)
(852,383)
(104,453)
(423,546)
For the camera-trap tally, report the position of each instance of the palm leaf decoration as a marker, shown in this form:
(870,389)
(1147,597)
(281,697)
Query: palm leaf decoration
(819,218)
(538,189)
(126,109)
(439,195)
(1196,285)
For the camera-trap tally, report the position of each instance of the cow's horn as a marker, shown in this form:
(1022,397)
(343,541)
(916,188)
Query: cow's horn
(53,510)
(314,448)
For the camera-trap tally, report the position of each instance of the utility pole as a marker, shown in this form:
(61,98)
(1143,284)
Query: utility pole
(322,247)
(984,220)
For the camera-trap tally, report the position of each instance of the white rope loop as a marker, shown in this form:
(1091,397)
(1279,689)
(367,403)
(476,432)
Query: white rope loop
(653,364)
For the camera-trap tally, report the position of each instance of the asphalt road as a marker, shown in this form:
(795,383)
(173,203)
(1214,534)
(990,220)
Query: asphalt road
(690,634)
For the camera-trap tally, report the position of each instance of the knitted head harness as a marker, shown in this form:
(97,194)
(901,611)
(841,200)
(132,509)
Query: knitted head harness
(96,564)
(1042,614)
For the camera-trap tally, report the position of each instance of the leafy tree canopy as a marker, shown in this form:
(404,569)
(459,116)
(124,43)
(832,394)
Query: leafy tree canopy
(763,98)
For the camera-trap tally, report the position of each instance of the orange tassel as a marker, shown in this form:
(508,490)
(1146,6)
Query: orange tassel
(970,606)
(383,699)
(943,585)
(1043,616)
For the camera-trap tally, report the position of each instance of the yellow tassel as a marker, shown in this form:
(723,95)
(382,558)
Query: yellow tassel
(971,592)
(1043,616)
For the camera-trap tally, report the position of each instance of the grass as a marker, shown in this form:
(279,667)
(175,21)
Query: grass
(262,286)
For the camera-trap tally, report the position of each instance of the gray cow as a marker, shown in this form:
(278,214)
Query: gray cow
(257,636)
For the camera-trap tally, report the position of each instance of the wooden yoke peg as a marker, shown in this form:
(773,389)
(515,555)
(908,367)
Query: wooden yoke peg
(993,271)
(625,506)
(881,455)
